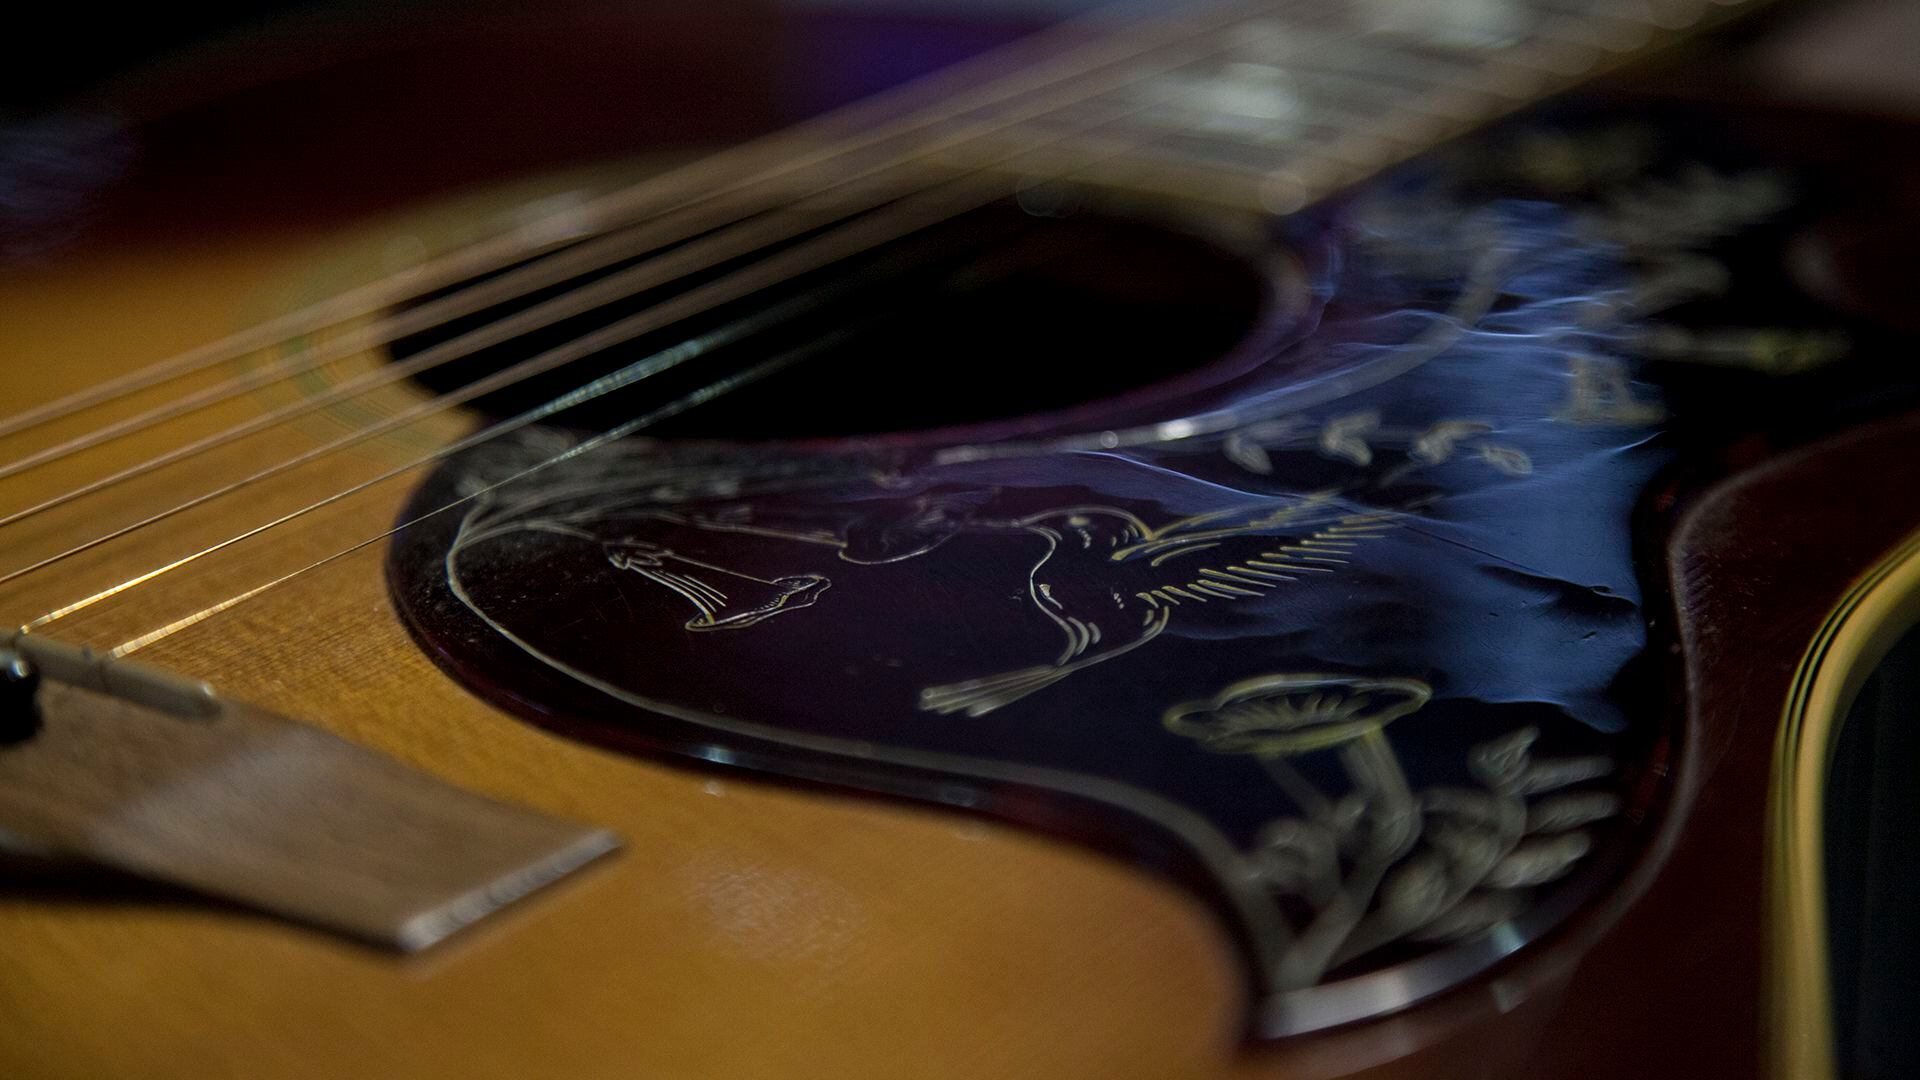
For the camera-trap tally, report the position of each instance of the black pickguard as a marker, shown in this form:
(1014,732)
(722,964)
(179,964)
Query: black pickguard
(1359,635)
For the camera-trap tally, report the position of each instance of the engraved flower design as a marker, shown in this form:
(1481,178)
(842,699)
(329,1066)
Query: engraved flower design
(1295,714)
(1383,863)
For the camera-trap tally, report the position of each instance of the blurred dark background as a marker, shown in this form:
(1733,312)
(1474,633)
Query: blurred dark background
(59,52)
(305,108)
(294,111)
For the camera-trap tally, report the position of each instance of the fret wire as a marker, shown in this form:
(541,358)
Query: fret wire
(1308,41)
(1577,24)
(1553,52)
(1360,138)
(1452,85)
(1409,60)
(1289,84)
(1310,122)
(1291,61)
(1162,139)
(1350,83)
(1562,48)
(1291,187)
(1561,73)
(1455,101)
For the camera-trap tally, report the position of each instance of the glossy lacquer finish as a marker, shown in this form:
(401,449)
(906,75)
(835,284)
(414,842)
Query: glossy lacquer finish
(1345,630)
(753,928)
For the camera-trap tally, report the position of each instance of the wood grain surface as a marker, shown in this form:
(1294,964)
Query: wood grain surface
(747,929)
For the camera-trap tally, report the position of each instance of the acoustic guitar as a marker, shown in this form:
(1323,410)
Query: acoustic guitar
(1289,539)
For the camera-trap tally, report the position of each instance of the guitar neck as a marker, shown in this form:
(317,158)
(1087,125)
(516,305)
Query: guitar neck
(1270,107)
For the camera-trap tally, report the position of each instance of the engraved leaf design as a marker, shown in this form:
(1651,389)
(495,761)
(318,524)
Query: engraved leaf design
(1348,814)
(1415,893)
(1507,459)
(1478,809)
(1479,912)
(1438,865)
(1545,776)
(1536,862)
(1344,437)
(1299,857)
(1499,763)
(1471,853)
(1248,454)
(1571,810)
(1437,443)
(1268,431)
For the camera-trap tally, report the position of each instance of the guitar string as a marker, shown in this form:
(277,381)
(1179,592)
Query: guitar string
(405,418)
(691,400)
(684,306)
(588,257)
(461,265)
(611,435)
(567,264)
(902,218)
(146,577)
(118,590)
(440,273)
(624,285)
(545,361)
(578,301)
(573,262)
(440,354)
(786,151)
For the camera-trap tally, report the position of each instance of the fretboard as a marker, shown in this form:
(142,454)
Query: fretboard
(1274,105)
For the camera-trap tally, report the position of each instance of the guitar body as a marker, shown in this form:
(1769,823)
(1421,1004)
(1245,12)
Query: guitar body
(757,926)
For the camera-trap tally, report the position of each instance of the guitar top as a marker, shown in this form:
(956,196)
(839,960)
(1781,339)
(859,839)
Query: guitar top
(1231,540)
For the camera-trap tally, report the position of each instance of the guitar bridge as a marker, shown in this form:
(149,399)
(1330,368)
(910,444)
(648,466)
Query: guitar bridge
(143,772)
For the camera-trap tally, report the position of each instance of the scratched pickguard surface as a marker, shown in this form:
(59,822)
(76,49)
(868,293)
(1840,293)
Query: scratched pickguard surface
(1357,640)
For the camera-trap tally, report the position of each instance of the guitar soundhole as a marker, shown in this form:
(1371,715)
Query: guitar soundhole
(994,315)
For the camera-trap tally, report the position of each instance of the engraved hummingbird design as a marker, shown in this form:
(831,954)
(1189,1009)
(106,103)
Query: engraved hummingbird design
(1112,583)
